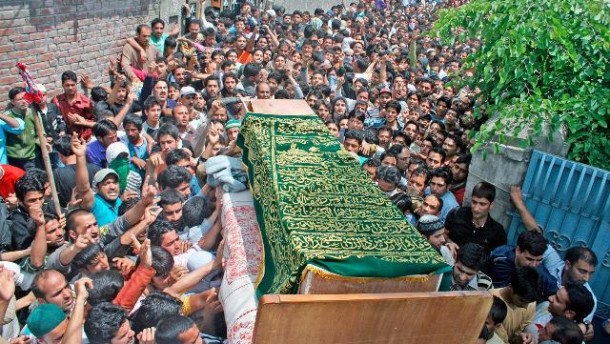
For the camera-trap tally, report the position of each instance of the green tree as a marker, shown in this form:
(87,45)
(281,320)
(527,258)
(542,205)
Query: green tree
(541,62)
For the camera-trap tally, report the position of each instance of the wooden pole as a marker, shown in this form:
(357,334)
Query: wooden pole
(45,157)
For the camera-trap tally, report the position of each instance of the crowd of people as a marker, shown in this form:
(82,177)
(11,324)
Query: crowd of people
(134,252)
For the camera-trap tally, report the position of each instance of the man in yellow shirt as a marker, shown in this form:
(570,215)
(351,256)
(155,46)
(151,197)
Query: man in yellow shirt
(520,297)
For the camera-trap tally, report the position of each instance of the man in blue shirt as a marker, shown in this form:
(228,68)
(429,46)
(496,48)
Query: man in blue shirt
(505,260)
(103,200)
(440,180)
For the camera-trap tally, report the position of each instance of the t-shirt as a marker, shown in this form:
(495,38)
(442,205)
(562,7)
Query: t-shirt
(462,230)
(65,181)
(159,43)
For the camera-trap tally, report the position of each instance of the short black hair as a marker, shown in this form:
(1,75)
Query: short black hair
(140,27)
(574,254)
(389,174)
(393,104)
(566,331)
(152,101)
(103,322)
(580,300)
(472,256)
(98,94)
(439,151)
(106,286)
(86,257)
(157,230)
(498,310)
(444,173)
(38,174)
(176,155)
(251,69)
(27,184)
(353,134)
(169,329)
(104,127)
(63,145)
(173,176)
(485,190)
(133,119)
(163,262)
(170,196)
(532,242)
(169,129)
(157,21)
(155,307)
(195,210)
(15,91)
(68,75)
(525,282)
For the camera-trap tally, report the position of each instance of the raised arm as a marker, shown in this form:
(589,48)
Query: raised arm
(74,332)
(83,188)
(528,220)
(118,119)
(39,246)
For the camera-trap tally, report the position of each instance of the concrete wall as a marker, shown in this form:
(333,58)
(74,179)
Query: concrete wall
(508,167)
(52,36)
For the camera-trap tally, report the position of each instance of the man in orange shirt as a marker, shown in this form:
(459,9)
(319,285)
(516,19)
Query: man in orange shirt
(75,108)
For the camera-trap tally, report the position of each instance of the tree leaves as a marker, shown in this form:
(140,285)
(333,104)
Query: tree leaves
(541,62)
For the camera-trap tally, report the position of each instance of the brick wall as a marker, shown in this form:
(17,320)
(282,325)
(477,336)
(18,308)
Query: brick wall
(52,36)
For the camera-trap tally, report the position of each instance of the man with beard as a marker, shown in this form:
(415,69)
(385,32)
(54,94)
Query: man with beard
(579,264)
(572,301)
(48,251)
(136,143)
(459,169)
(105,201)
(134,65)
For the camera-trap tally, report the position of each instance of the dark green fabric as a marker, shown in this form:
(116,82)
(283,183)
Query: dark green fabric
(315,204)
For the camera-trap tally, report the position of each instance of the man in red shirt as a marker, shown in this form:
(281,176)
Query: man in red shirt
(75,108)
(8,177)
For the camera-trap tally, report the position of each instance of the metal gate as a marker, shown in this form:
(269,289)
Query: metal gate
(572,202)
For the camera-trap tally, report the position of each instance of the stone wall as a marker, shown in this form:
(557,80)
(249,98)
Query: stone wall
(52,36)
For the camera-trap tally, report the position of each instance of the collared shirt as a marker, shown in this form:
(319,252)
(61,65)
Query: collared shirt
(501,266)
(96,154)
(81,105)
(449,203)
(159,43)
(105,212)
(480,282)
(555,265)
(462,230)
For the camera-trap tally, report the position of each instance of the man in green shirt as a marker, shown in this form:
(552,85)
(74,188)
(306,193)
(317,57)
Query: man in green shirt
(22,149)
(158,36)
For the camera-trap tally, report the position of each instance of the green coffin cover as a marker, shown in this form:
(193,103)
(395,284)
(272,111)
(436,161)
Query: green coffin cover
(315,205)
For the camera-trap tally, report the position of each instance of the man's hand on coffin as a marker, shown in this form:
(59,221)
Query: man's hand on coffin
(219,261)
